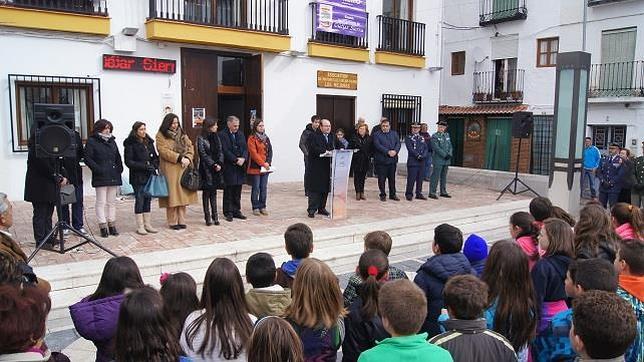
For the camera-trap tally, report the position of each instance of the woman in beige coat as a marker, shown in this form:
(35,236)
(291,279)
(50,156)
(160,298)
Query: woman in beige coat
(175,154)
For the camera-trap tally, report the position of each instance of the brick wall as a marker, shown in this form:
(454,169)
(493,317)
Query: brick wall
(526,152)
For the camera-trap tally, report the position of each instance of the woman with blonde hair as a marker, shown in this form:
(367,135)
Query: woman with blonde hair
(274,340)
(176,153)
(317,313)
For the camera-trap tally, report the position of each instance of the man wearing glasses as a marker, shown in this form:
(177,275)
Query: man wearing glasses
(611,176)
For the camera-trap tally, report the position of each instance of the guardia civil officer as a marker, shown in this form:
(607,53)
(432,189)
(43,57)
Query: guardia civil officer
(441,159)
(416,154)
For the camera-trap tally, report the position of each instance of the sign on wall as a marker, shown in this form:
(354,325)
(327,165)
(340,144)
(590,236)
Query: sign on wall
(139,64)
(337,80)
(346,17)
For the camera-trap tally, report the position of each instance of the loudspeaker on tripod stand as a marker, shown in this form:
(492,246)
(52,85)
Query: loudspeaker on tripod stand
(54,130)
(522,124)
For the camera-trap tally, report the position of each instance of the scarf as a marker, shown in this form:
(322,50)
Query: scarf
(262,136)
(179,143)
(105,137)
(633,285)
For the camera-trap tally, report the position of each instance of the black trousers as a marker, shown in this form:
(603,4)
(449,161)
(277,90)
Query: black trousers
(209,204)
(415,176)
(232,199)
(41,219)
(358,180)
(317,201)
(306,177)
(388,173)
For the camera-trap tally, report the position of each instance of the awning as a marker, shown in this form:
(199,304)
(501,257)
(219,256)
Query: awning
(482,109)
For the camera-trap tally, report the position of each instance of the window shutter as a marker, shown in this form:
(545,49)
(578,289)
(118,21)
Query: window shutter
(505,47)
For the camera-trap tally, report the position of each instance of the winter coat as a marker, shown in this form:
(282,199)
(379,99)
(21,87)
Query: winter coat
(548,277)
(383,143)
(360,334)
(629,174)
(605,250)
(470,340)
(210,154)
(271,301)
(638,171)
(96,321)
(406,348)
(626,231)
(71,165)
(104,159)
(141,158)
(40,181)
(304,139)
(611,174)
(431,278)
(11,250)
(416,151)
(319,168)
(320,344)
(362,158)
(478,266)
(259,153)
(234,175)
(170,167)
(526,243)
(441,146)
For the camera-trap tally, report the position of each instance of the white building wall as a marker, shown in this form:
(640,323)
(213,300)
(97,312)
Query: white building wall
(289,84)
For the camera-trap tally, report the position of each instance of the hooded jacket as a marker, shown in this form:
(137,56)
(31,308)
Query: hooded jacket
(96,321)
(271,301)
(361,334)
(548,277)
(431,278)
(470,340)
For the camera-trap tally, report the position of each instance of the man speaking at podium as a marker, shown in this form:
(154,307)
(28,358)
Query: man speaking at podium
(320,145)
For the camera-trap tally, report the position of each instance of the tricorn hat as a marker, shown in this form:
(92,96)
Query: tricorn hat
(442,123)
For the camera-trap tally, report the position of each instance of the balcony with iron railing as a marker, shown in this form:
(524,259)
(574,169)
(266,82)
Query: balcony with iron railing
(499,11)
(600,2)
(621,79)
(400,42)
(505,86)
(78,16)
(252,24)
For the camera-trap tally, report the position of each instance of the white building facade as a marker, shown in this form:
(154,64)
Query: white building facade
(252,58)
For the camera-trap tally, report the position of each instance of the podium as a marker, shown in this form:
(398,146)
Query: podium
(340,166)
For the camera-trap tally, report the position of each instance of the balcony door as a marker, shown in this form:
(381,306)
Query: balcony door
(398,9)
(618,53)
(397,33)
(505,77)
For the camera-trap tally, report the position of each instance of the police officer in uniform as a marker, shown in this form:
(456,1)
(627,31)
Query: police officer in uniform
(611,176)
(441,158)
(416,154)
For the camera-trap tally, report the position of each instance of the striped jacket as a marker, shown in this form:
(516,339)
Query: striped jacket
(471,341)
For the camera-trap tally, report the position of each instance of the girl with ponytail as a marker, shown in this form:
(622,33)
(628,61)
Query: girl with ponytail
(628,221)
(525,231)
(363,323)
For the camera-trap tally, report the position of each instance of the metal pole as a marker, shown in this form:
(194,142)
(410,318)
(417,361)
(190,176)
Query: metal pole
(583,41)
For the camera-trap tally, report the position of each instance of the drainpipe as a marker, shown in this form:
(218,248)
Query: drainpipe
(583,42)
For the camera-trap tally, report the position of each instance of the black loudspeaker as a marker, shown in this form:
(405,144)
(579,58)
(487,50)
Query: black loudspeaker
(522,124)
(54,130)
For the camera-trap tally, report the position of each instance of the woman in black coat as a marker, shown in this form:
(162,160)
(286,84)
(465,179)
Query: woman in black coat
(211,161)
(142,160)
(361,141)
(103,158)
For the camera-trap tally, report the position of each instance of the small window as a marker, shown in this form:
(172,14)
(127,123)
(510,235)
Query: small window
(458,63)
(25,90)
(547,50)
(402,111)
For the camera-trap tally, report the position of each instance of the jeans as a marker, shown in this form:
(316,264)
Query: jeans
(588,177)
(106,204)
(386,173)
(440,171)
(415,175)
(77,209)
(428,166)
(41,220)
(141,200)
(608,199)
(258,192)
(232,200)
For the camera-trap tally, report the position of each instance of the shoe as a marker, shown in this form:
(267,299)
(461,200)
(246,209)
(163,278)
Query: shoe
(66,233)
(240,216)
(421,197)
(311,215)
(433,196)
(83,231)
(323,212)
(146,223)
(175,227)
(446,195)
(140,227)
(208,222)
(394,197)
(104,232)
(383,198)
(409,198)
(228,218)
(215,219)
(362,196)
(182,226)
(112,229)
(358,196)
(263,212)
(256,212)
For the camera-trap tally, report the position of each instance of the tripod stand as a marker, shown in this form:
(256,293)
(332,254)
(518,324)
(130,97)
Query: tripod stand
(61,226)
(512,186)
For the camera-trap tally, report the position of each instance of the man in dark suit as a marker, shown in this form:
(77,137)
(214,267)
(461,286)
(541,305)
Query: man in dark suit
(386,145)
(320,142)
(233,145)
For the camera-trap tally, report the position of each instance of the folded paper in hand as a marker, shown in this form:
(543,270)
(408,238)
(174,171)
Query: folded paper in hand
(264,170)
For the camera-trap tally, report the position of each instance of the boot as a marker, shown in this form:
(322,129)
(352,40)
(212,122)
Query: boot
(147,224)
(111,226)
(362,196)
(140,226)
(103,228)
(205,197)
(213,207)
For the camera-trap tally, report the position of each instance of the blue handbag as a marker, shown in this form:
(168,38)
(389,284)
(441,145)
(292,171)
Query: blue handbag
(157,186)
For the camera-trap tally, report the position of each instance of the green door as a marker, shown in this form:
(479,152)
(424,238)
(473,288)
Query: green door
(455,128)
(498,144)
(504,8)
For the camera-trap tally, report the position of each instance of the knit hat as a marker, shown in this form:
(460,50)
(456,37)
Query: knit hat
(475,248)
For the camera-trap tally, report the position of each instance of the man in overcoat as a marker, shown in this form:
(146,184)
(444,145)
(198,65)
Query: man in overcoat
(233,145)
(319,143)
(386,145)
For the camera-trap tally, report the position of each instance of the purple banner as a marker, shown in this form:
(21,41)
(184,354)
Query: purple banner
(340,19)
(357,5)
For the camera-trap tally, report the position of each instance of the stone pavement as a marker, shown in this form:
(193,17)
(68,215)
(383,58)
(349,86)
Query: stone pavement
(286,204)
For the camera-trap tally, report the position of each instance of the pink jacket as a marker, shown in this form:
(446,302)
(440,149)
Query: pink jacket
(529,248)
(626,231)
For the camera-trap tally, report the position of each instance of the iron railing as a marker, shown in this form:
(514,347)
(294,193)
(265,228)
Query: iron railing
(90,7)
(401,36)
(622,79)
(402,111)
(498,87)
(542,137)
(269,16)
(498,11)
(600,2)
(337,39)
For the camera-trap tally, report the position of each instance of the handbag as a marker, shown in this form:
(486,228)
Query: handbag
(67,195)
(157,186)
(191,179)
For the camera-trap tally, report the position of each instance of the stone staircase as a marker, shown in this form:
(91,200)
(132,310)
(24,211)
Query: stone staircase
(340,247)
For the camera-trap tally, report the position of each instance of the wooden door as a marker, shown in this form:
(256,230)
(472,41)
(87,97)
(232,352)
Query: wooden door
(199,87)
(253,87)
(340,110)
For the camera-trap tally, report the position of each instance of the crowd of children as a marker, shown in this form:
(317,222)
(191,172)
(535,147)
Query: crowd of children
(559,290)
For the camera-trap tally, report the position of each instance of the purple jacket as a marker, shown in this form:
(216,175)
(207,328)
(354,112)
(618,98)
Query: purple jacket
(96,321)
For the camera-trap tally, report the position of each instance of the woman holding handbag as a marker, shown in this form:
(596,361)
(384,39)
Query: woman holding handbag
(260,153)
(211,160)
(103,158)
(176,154)
(142,160)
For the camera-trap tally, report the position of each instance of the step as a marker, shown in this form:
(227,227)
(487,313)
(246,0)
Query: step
(340,247)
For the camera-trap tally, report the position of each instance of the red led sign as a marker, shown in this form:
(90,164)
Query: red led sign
(139,64)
